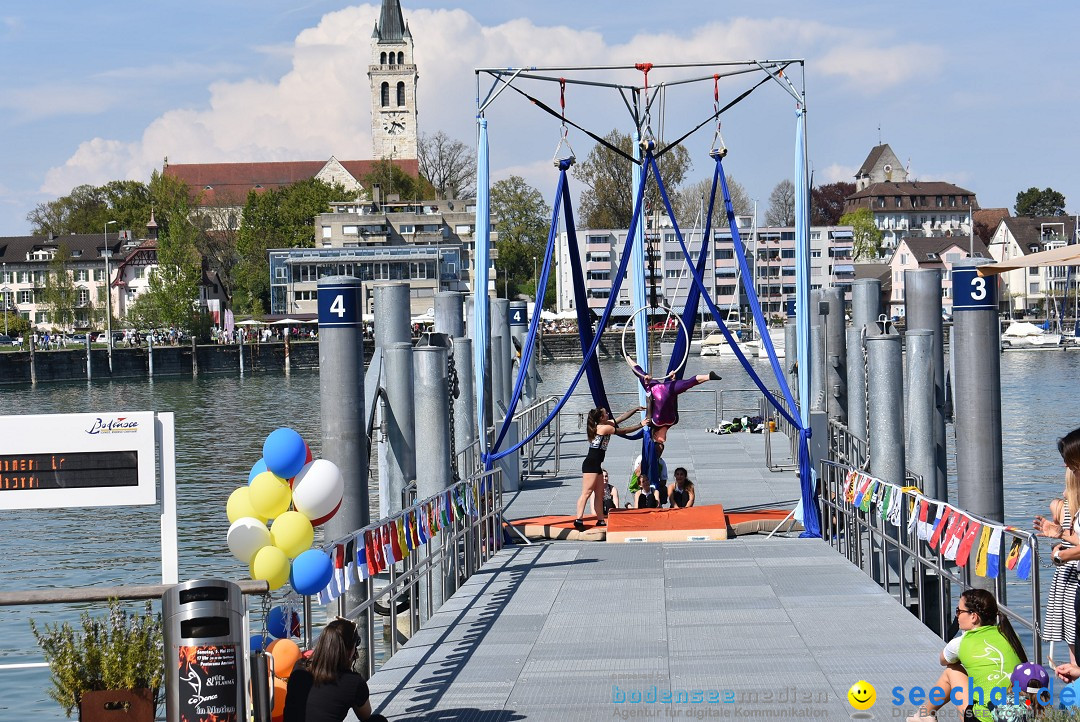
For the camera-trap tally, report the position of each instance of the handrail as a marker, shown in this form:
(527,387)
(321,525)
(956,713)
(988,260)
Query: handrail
(127,592)
(888,553)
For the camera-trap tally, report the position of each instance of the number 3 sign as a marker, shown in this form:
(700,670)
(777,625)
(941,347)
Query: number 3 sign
(973,292)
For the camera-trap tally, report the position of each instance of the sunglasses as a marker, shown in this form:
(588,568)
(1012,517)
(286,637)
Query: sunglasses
(960,611)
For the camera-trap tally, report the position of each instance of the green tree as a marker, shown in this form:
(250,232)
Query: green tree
(392,180)
(781,210)
(60,295)
(608,199)
(866,235)
(1035,202)
(521,218)
(87,208)
(281,218)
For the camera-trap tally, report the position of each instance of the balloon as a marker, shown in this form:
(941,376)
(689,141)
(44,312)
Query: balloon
(311,572)
(281,687)
(257,468)
(317,490)
(286,653)
(270,495)
(284,452)
(258,642)
(270,564)
(292,533)
(276,624)
(239,505)
(246,537)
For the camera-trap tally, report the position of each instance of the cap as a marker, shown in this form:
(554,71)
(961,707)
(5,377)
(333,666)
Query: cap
(1030,677)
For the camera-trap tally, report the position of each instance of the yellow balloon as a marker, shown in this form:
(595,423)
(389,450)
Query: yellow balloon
(270,495)
(271,565)
(292,533)
(239,506)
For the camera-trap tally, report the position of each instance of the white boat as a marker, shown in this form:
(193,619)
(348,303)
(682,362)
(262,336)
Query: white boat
(716,345)
(1021,334)
(758,348)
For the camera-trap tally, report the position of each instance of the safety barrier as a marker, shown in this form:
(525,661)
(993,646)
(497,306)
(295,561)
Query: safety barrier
(528,420)
(775,422)
(871,522)
(846,448)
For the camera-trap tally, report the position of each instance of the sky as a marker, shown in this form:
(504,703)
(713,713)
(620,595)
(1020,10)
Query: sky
(981,95)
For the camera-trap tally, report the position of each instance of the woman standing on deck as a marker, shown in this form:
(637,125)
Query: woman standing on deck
(983,656)
(1060,622)
(599,428)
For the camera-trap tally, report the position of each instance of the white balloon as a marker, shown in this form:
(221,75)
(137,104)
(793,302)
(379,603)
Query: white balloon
(317,490)
(247,536)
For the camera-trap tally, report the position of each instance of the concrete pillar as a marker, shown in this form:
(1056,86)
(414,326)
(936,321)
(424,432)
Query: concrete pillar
(856,384)
(433,472)
(919,414)
(836,355)
(791,357)
(519,331)
(501,360)
(449,314)
(886,392)
(865,301)
(399,449)
(465,403)
(922,311)
(511,463)
(392,314)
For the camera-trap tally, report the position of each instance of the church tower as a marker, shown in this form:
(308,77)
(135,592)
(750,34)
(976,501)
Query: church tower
(393,86)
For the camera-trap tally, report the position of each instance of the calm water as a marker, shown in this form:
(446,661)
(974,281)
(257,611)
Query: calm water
(222,421)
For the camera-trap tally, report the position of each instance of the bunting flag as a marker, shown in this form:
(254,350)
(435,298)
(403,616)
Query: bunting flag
(964,552)
(425,531)
(444,509)
(414,528)
(338,580)
(955,536)
(394,538)
(324,594)
(355,568)
(868,496)
(896,505)
(386,541)
(860,492)
(433,518)
(943,513)
(371,553)
(1023,567)
(982,553)
(924,522)
(407,529)
(993,554)
(400,537)
(849,486)
(913,516)
(1014,555)
(886,502)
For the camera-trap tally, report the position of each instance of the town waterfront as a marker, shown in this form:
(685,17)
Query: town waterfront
(222,420)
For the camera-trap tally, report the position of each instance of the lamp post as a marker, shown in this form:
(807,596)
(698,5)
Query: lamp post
(108,295)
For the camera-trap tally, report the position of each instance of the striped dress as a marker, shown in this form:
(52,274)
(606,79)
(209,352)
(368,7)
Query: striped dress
(1060,621)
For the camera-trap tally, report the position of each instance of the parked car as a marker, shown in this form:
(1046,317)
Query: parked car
(79,337)
(667,325)
(6,340)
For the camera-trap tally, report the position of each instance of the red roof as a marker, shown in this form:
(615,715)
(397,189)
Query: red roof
(233,181)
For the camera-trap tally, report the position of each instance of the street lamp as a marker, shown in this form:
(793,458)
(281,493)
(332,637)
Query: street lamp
(108,295)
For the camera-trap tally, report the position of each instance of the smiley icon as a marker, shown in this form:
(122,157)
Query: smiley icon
(862,695)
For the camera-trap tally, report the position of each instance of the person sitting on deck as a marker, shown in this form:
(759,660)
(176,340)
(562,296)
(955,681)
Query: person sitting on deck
(681,492)
(663,397)
(648,496)
(634,487)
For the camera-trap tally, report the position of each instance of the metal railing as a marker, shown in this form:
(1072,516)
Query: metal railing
(442,565)
(898,559)
(528,420)
(775,422)
(846,448)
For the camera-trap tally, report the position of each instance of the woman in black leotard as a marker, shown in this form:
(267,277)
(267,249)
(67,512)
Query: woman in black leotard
(681,493)
(600,428)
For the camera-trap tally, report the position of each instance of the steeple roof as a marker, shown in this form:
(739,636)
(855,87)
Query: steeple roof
(391,26)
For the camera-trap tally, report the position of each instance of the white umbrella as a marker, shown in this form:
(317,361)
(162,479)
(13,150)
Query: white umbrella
(286,322)
(251,322)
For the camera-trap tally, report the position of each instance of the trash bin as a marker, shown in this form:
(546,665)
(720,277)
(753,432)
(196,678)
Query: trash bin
(204,645)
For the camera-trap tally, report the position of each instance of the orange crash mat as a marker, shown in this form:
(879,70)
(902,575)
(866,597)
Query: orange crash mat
(696,517)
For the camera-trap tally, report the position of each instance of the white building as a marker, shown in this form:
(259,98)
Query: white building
(1034,288)
(913,253)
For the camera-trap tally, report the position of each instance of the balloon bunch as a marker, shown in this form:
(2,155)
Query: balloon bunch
(298,494)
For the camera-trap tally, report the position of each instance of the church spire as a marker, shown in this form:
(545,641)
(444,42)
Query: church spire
(391,27)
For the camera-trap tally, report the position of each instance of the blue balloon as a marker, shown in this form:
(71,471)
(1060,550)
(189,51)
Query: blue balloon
(284,452)
(278,628)
(258,468)
(258,642)
(311,572)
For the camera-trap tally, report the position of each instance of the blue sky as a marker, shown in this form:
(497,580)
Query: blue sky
(980,95)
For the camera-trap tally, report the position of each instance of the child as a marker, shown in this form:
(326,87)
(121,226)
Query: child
(1026,681)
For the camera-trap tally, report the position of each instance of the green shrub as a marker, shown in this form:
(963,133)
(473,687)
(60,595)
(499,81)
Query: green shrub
(118,651)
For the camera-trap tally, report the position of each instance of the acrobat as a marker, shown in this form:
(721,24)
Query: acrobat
(663,397)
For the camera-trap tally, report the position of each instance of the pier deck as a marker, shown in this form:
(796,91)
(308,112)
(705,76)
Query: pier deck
(565,630)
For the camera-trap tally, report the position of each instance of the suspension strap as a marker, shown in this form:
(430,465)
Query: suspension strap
(564,139)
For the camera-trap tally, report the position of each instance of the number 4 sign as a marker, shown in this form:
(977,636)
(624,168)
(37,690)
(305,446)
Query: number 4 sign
(972,292)
(339,305)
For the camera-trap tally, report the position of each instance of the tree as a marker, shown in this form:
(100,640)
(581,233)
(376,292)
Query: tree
(521,218)
(827,203)
(60,295)
(694,199)
(173,286)
(608,200)
(1035,202)
(87,208)
(448,164)
(395,181)
(867,237)
(781,205)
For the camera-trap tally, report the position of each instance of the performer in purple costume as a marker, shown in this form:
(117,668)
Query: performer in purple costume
(663,397)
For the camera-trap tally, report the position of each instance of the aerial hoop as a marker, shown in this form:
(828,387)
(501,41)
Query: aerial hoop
(671,314)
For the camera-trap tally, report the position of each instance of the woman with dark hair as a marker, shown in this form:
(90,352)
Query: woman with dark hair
(325,688)
(681,493)
(599,427)
(983,656)
(1063,601)
(663,397)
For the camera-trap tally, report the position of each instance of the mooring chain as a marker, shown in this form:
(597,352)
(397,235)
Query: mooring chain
(453,388)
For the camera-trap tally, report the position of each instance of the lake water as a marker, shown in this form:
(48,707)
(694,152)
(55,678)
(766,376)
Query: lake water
(222,421)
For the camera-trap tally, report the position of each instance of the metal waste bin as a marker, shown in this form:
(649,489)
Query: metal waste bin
(204,643)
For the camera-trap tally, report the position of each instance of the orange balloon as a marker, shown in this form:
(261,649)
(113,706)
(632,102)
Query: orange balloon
(280,688)
(286,654)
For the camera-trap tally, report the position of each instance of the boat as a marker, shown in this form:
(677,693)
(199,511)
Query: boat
(758,349)
(1021,334)
(715,344)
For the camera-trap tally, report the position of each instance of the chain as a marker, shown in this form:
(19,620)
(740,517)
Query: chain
(866,395)
(265,608)
(454,389)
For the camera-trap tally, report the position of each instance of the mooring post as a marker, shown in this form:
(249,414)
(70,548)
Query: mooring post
(835,324)
(433,470)
(885,390)
(33,359)
(865,309)
(392,319)
(195,359)
(89,373)
(150,355)
(501,361)
(465,403)
(791,357)
(449,313)
(399,451)
(817,354)
(240,344)
(519,331)
(341,402)
(922,310)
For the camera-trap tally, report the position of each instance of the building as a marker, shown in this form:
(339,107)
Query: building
(770,254)
(1034,289)
(914,252)
(393,78)
(880,166)
(428,244)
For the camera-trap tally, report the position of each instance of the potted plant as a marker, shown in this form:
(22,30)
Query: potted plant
(111,669)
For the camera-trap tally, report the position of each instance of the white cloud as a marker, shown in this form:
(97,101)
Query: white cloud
(835,173)
(184,69)
(47,101)
(321,105)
